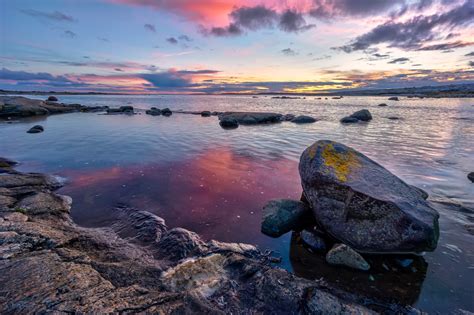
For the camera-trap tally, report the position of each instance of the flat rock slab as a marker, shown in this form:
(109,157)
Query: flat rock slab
(252,118)
(362,204)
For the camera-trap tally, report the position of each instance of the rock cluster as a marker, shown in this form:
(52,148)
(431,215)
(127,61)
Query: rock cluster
(232,120)
(356,202)
(361,115)
(127,109)
(153,111)
(137,265)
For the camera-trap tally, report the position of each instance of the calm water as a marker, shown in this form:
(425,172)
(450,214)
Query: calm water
(194,174)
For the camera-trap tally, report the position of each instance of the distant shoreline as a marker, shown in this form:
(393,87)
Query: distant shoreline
(445,91)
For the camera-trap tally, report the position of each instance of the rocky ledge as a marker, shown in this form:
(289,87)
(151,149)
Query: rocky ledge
(138,264)
(19,106)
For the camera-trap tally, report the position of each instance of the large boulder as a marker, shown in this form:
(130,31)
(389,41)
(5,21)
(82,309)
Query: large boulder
(362,204)
(283,215)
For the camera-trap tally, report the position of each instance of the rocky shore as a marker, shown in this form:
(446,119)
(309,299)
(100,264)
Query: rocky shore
(139,265)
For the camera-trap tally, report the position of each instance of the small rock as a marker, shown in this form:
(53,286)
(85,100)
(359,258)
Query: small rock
(393,98)
(313,240)
(206,113)
(166,112)
(303,120)
(349,120)
(153,111)
(229,123)
(52,99)
(470,176)
(283,215)
(382,105)
(393,118)
(36,129)
(342,254)
(363,115)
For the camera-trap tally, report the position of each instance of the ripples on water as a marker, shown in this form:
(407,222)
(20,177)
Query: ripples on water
(194,174)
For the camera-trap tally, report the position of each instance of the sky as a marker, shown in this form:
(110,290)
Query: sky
(234,46)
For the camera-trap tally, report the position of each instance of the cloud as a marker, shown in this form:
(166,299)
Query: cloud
(175,78)
(471,64)
(260,17)
(172,40)
(471,54)
(326,9)
(288,52)
(185,38)
(446,46)
(6,74)
(381,56)
(401,60)
(150,27)
(103,39)
(69,33)
(413,33)
(54,16)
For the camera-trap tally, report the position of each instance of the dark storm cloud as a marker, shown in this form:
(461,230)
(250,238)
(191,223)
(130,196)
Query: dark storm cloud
(54,16)
(288,52)
(172,40)
(414,33)
(401,60)
(335,8)
(150,27)
(260,17)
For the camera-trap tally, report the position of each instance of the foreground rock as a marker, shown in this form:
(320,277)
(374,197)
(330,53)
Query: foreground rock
(362,204)
(36,129)
(283,215)
(251,118)
(138,265)
(343,255)
(18,106)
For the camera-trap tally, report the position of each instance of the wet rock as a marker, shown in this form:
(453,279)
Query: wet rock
(228,123)
(153,111)
(179,243)
(21,106)
(470,176)
(362,204)
(283,215)
(166,112)
(252,118)
(312,240)
(41,202)
(206,113)
(422,192)
(52,99)
(382,105)
(349,120)
(6,165)
(342,254)
(26,183)
(320,302)
(363,115)
(393,98)
(36,129)
(127,109)
(303,120)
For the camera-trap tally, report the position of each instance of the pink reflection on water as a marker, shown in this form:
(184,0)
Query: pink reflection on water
(218,194)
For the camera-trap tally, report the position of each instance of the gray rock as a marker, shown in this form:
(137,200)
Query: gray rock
(6,165)
(313,240)
(52,99)
(342,254)
(179,243)
(382,105)
(228,123)
(422,192)
(283,215)
(362,204)
(349,120)
(121,110)
(287,117)
(153,111)
(206,113)
(303,120)
(363,115)
(393,98)
(252,118)
(36,129)
(41,202)
(166,112)
(470,176)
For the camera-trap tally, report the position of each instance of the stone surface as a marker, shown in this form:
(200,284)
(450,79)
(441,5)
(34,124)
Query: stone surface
(283,215)
(342,254)
(362,115)
(18,106)
(228,123)
(36,129)
(362,204)
(127,109)
(382,105)
(470,176)
(153,111)
(252,118)
(302,119)
(312,240)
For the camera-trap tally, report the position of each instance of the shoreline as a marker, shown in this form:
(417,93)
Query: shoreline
(138,264)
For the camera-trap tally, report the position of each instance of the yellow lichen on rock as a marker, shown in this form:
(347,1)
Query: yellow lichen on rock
(342,163)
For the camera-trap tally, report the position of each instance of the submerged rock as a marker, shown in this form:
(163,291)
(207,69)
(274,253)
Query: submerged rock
(288,117)
(382,105)
(283,215)
(342,254)
(470,176)
(362,204)
(228,123)
(153,111)
(121,110)
(36,129)
(303,120)
(349,120)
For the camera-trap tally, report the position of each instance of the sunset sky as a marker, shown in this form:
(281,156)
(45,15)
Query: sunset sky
(215,46)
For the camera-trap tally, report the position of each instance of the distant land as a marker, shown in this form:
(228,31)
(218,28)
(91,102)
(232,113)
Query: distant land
(452,90)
